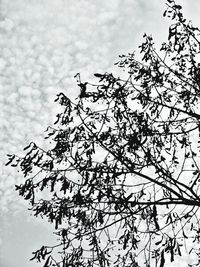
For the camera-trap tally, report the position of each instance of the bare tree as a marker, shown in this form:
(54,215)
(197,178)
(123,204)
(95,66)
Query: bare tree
(121,176)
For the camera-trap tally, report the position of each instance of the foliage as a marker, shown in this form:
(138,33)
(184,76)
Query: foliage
(121,176)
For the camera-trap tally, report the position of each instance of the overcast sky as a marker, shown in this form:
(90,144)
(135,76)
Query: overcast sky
(43,44)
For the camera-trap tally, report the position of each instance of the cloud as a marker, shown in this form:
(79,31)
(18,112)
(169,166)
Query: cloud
(44,43)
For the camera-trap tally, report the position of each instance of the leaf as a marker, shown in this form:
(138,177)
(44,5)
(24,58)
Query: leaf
(98,75)
(28,196)
(184,235)
(178,7)
(86,178)
(169,218)
(126,239)
(99,197)
(158,242)
(162,260)
(78,198)
(155,217)
(172,254)
(179,250)
(65,186)
(53,181)
(34,257)
(100,217)
(47,262)
(51,165)
(25,148)
(10,160)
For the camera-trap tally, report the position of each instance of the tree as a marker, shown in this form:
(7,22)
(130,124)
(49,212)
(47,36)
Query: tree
(121,176)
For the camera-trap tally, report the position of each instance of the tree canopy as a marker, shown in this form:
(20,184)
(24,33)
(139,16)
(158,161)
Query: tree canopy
(121,177)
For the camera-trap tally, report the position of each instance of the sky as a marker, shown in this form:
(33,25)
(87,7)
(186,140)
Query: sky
(43,44)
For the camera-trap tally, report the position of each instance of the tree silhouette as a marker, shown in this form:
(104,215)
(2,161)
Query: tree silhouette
(121,177)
